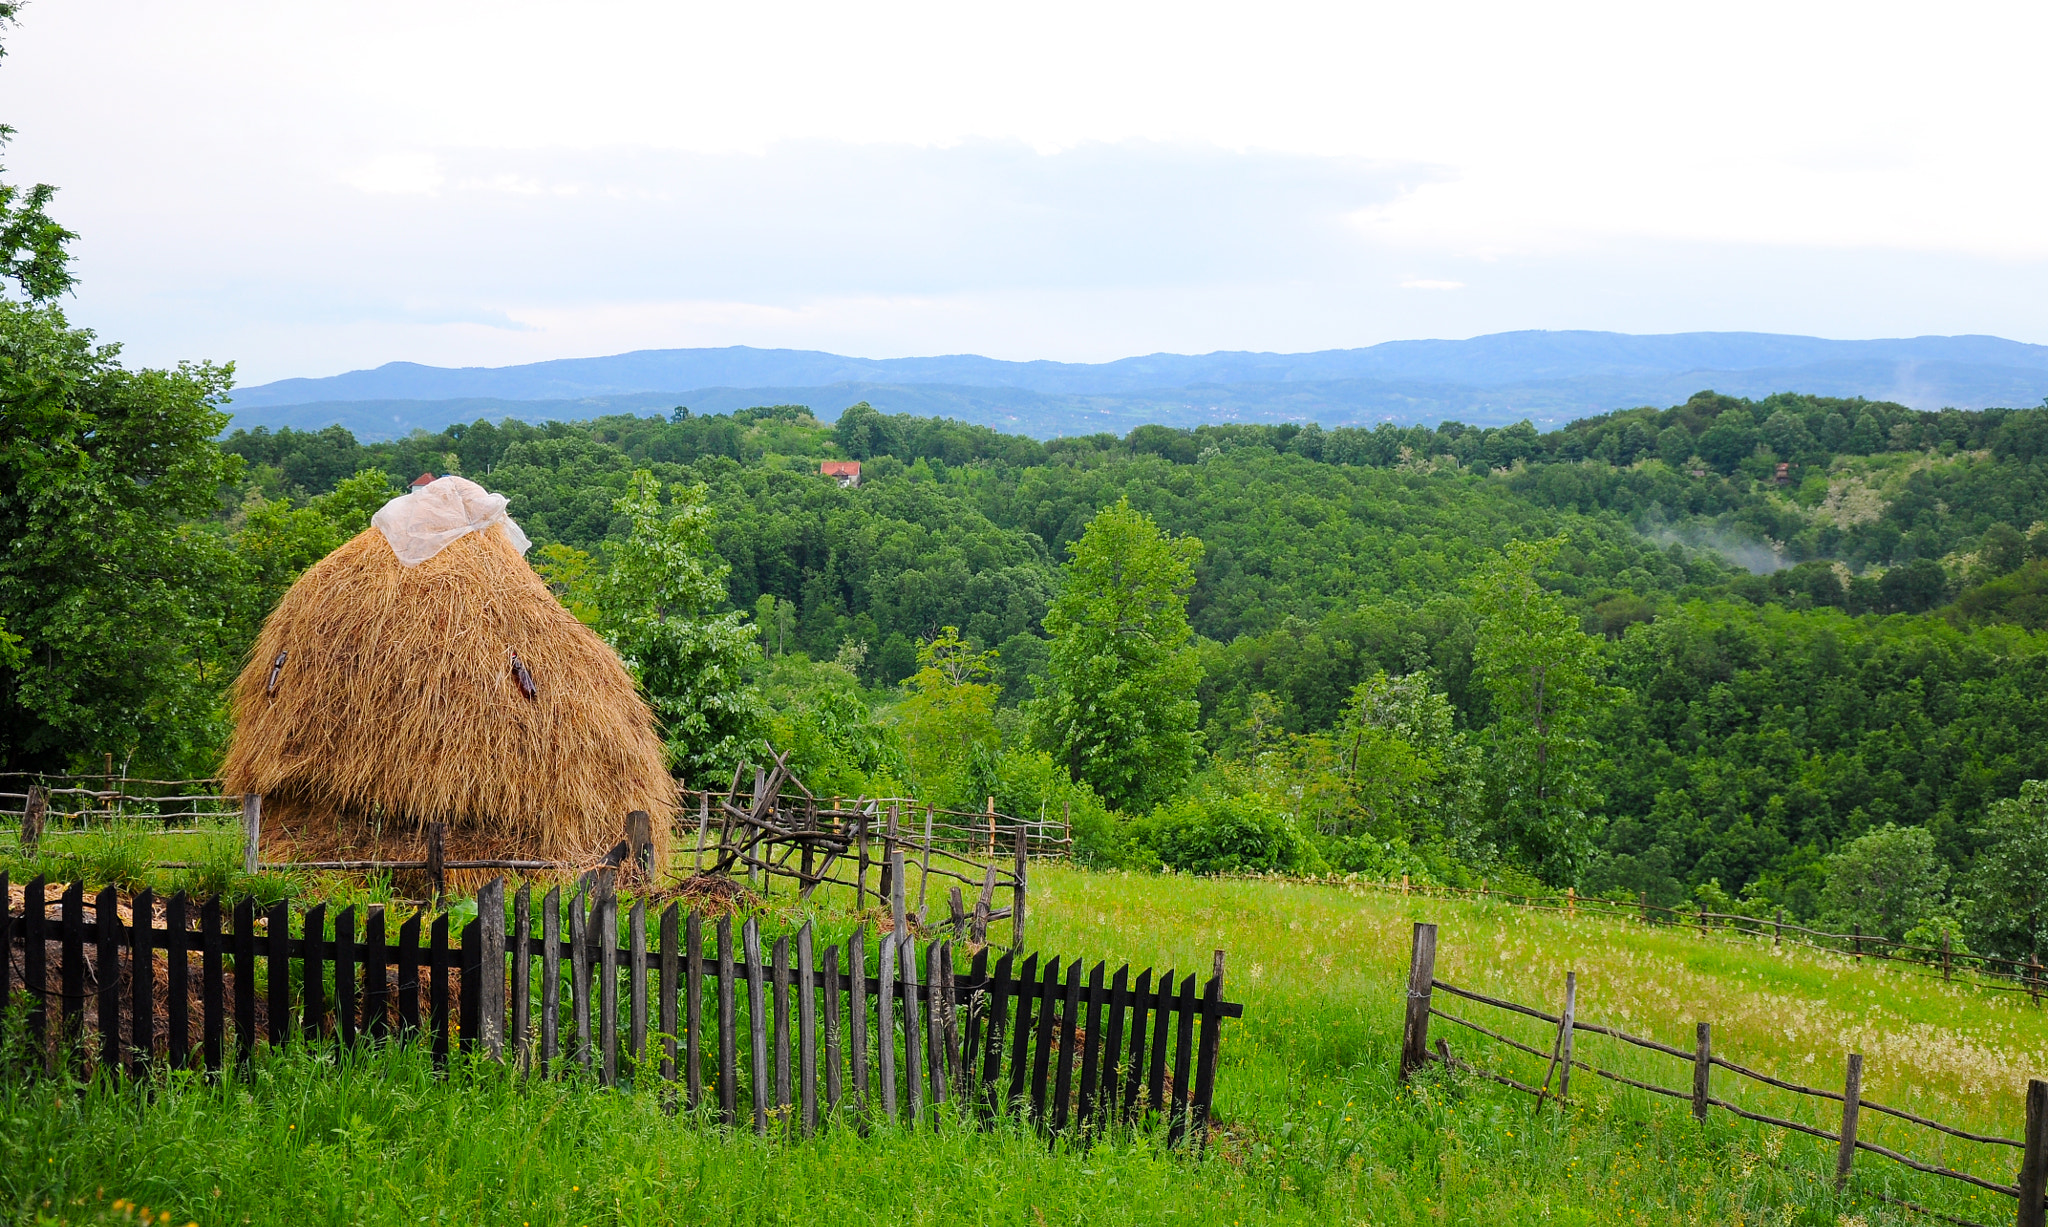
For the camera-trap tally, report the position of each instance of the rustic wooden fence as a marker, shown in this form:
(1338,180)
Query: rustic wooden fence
(883,1032)
(778,830)
(2029,1188)
(36,805)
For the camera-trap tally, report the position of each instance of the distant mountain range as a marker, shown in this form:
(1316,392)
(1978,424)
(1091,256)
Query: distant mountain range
(1548,377)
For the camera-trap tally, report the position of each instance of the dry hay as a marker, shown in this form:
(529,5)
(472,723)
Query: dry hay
(714,895)
(397,706)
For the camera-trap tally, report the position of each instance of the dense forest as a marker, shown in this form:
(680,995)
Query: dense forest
(1768,638)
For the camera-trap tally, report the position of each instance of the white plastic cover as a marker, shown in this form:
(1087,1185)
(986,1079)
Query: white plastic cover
(421,524)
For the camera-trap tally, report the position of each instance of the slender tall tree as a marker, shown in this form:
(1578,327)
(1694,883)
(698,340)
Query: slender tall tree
(1118,707)
(1543,675)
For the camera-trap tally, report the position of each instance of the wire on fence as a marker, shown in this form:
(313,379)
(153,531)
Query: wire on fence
(2034,1170)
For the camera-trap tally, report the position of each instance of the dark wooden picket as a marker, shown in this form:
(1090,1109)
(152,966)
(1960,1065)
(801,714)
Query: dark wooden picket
(142,974)
(1072,1047)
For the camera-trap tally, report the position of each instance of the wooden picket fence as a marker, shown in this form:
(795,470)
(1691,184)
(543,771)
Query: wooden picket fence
(1070,1048)
(2029,1188)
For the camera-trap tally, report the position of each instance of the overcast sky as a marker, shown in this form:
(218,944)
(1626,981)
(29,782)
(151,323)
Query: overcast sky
(310,189)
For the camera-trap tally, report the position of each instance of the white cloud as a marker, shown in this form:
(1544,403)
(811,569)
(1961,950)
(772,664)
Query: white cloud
(397,174)
(307,189)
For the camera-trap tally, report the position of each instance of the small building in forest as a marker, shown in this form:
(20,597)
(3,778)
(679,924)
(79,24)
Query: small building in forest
(845,472)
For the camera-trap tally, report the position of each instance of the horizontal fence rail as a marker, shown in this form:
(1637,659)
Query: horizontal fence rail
(2029,1189)
(780,1037)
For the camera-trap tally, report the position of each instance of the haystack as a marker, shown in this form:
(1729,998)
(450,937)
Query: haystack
(383,696)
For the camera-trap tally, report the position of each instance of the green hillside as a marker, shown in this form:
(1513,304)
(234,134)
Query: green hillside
(1353,620)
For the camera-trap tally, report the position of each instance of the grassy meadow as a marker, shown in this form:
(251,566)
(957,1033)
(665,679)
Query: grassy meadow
(1312,1128)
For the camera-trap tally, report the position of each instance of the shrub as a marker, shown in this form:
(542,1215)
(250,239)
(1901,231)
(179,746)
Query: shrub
(1233,834)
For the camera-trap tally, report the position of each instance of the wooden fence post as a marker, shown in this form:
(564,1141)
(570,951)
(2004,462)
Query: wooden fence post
(1561,1049)
(898,892)
(924,866)
(33,813)
(2034,979)
(1571,902)
(1017,895)
(1856,940)
(991,828)
(1643,899)
(1944,954)
(703,826)
(2033,1178)
(1778,927)
(1702,1069)
(1852,1104)
(640,840)
(1415,1022)
(1564,1036)
(437,858)
(252,830)
(490,964)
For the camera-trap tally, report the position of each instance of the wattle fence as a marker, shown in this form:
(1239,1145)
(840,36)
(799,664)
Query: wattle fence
(883,1032)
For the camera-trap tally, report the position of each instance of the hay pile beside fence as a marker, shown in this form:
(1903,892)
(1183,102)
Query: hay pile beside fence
(399,702)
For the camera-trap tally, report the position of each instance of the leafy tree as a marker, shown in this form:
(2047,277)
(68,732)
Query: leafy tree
(1542,674)
(1410,768)
(1119,705)
(32,251)
(777,618)
(948,721)
(572,576)
(656,602)
(277,541)
(861,432)
(1887,882)
(116,597)
(2009,883)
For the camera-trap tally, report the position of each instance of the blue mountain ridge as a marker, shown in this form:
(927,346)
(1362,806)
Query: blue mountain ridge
(1549,377)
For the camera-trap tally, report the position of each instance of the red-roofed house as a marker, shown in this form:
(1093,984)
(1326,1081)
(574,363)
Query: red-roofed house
(421,480)
(845,472)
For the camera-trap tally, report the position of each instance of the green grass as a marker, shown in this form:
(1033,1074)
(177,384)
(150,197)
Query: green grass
(1313,1127)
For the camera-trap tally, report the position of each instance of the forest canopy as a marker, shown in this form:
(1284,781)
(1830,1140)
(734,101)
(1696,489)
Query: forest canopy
(1762,630)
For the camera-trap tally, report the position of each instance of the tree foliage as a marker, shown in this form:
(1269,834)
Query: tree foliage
(107,575)
(658,603)
(2009,883)
(1119,706)
(1542,675)
(1885,882)
(948,722)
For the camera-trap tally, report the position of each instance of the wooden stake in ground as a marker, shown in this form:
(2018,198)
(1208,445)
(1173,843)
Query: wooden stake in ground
(1561,1051)
(1702,1069)
(33,812)
(1017,895)
(2033,1179)
(1415,1020)
(924,868)
(252,829)
(896,884)
(1852,1104)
